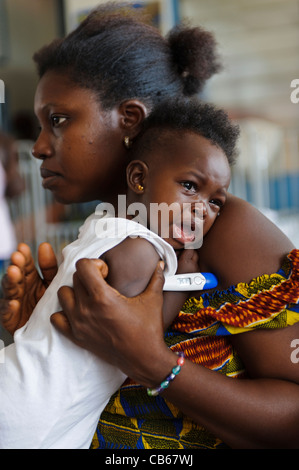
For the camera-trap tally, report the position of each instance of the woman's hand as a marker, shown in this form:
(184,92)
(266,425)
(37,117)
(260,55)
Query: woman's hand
(260,412)
(98,318)
(22,285)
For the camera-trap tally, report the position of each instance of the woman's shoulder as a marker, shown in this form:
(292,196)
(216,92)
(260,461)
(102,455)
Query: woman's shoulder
(242,244)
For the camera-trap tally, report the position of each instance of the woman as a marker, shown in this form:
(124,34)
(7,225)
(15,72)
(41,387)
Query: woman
(259,411)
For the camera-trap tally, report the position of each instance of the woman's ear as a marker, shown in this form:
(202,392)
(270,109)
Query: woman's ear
(136,176)
(132,114)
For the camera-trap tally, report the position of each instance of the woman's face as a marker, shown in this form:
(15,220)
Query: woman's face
(80,145)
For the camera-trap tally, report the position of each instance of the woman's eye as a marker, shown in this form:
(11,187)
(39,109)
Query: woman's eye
(57,120)
(189,185)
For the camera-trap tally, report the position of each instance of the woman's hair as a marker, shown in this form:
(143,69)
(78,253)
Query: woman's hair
(188,115)
(118,55)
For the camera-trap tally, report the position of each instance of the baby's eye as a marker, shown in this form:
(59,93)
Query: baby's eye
(217,203)
(189,185)
(57,120)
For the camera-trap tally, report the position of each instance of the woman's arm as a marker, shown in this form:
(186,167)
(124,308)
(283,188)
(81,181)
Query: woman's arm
(259,412)
(262,411)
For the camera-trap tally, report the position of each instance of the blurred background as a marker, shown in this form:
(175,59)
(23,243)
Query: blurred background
(259,44)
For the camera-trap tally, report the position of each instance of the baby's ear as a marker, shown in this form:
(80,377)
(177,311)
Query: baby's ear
(137,171)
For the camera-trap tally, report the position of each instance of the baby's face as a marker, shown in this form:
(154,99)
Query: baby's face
(190,177)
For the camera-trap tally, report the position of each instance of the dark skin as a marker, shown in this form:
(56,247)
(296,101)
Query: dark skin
(69,130)
(251,247)
(192,171)
(23,286)
(262,411)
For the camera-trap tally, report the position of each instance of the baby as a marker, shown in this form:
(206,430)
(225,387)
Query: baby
(53,392)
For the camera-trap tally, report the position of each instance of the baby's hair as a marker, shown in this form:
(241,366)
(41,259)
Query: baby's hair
(118,55)
(189,115)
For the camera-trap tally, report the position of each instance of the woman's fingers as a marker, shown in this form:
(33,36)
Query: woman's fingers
(47,262)
(66,298)
(155,286)
(61,323)
(22,285)
(11,282)
(92,273)
(9,314)
(27,265)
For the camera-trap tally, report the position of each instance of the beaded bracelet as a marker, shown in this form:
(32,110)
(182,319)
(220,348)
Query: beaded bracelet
(153,392)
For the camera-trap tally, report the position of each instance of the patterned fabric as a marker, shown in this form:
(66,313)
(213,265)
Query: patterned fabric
(202,329)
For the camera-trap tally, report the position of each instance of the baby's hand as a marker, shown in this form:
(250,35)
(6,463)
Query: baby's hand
(188,262)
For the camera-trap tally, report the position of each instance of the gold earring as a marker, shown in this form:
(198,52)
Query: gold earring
(139,187)
(127,142)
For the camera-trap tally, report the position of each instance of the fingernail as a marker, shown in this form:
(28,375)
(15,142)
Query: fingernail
(162,265)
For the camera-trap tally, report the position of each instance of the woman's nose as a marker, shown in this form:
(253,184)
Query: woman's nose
(42,148)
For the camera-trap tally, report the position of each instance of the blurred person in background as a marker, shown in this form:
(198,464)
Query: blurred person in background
(11,185)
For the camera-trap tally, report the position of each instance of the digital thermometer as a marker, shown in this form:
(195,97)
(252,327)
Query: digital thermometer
(190,282)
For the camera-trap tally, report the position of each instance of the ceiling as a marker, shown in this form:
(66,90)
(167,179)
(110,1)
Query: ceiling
(258,41)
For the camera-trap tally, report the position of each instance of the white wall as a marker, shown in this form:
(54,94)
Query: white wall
(259,42)
(31,24)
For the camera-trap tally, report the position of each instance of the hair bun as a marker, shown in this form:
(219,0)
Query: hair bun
(195,56)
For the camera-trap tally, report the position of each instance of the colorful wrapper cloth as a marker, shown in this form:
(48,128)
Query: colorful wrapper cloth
(133,420)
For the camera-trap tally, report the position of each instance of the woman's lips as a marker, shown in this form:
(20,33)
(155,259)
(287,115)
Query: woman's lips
(49,177)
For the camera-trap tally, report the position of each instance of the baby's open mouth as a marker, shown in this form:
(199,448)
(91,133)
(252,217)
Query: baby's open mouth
(183,234)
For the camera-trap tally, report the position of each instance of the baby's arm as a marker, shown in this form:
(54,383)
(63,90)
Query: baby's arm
(131,265)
